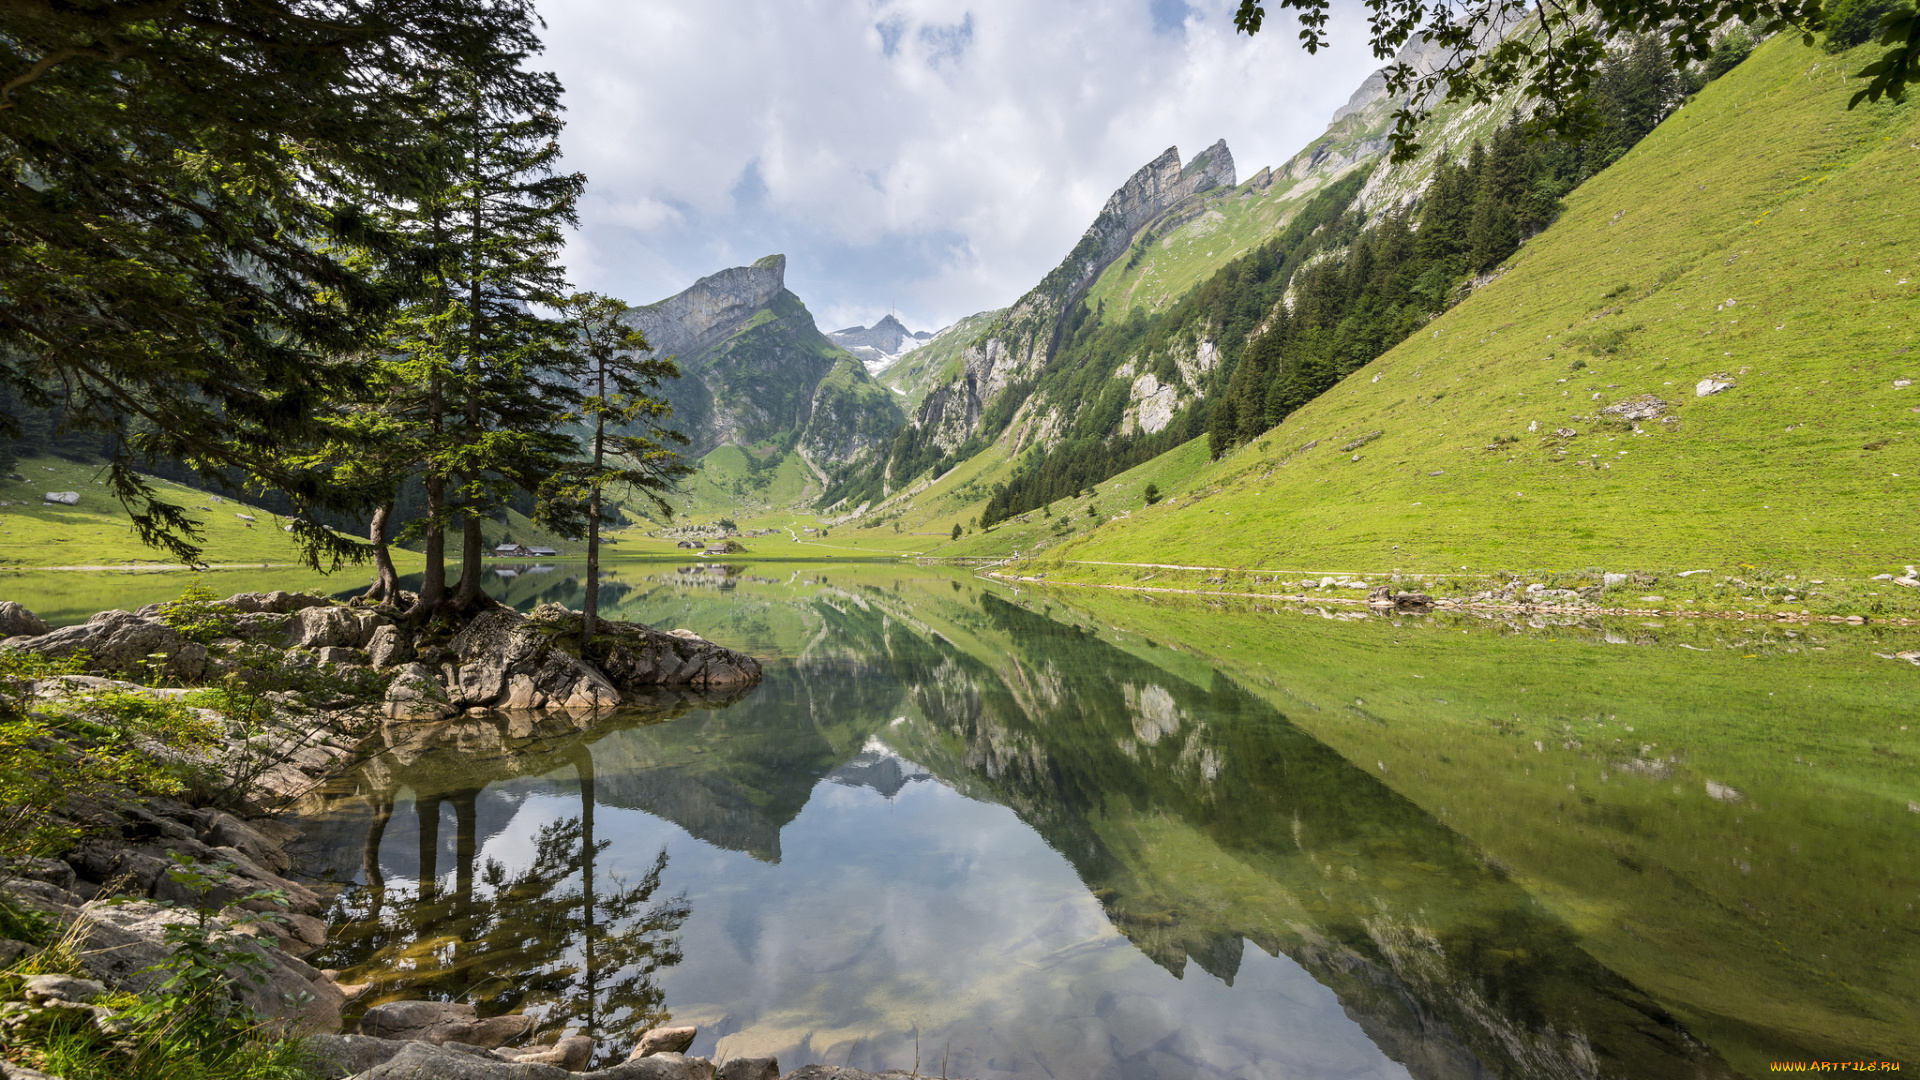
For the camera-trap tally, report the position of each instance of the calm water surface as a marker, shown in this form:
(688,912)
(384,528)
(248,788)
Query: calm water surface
(1012,836)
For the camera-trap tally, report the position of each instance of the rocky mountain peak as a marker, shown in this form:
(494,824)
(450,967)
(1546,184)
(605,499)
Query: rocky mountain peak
(878,345)
(711,306)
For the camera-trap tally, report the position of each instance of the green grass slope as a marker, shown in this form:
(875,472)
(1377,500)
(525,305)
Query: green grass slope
(97,532)
(1764,192)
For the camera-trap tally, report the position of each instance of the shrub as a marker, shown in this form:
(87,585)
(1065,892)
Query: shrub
(1152,493)
(1852,23)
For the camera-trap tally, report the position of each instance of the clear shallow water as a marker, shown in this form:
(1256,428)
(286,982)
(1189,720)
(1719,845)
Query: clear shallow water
(1053,841)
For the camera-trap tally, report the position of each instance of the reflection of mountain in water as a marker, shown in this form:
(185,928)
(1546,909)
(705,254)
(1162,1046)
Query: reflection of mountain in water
(1200,815)
(878,767)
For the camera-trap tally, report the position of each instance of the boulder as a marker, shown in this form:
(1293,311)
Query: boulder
(338,627)
(416,694)
(388,646)
(336,655)
(664,1040)
(123,944)
(16,621)
(752,1068)
(442,1022)
(634,656)
(122,641)
(63,498)
(335,1057)
(41,989)
(277,602)
(416,1060)
(572,1053)
(1712,385)
(507,660)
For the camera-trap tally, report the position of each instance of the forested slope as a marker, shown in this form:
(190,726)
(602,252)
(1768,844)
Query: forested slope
(1706,361)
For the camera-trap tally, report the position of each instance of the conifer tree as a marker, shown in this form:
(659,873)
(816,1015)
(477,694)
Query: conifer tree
(629,448)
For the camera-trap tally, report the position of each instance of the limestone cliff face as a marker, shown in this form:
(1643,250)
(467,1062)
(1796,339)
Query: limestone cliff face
(1021,342)
(713,307)
(755,368)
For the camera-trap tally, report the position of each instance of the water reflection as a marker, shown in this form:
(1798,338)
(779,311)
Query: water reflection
(948,819)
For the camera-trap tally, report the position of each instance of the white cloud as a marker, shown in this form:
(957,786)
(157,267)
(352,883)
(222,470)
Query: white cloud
(935,156)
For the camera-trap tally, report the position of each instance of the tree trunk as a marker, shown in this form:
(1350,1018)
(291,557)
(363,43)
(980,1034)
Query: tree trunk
(473,548)
(433,580)
(386,582)
(590,605)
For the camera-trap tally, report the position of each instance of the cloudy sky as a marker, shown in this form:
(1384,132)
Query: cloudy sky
(935,157)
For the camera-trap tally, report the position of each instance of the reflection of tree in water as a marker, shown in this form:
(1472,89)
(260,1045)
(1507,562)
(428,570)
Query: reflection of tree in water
(552,939)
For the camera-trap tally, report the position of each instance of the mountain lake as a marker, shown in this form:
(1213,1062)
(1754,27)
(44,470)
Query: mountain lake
(994,833)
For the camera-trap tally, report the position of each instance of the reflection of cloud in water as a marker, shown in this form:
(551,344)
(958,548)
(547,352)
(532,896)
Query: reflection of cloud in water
(933,912)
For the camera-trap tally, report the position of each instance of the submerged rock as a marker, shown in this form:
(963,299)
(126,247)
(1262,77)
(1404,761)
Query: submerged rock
(664,1040)
(416,1060)
(442,1022)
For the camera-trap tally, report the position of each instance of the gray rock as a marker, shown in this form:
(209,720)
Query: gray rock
(1611,580)
(664,1040)
(124,944)
(753,1068)
(41,989)
(64,498)
(388,646)
(11,951)
(512,662)
(413,1019)
(418,1060)
(336,654)
(1712,385)
(633,656)
(276,602)
(16,620)
(571,1053)
(321,627)
(1644,407)
(416,694)
(334,1057)
(442,1022)
(224,830)
(122,641)
(52,871)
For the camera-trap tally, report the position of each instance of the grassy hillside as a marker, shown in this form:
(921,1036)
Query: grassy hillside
(1762,236)
(97,532)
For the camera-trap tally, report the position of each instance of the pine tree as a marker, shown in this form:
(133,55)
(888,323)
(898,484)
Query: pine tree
(183,185)
(630,447)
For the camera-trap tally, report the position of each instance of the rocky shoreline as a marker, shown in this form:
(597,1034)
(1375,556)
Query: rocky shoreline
(111,898)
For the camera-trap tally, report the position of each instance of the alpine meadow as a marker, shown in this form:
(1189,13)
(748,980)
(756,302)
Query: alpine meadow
(877,539)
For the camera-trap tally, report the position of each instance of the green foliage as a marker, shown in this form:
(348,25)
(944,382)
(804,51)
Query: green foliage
(191,1026)
(1152,493)
(22,924)
(957,530)
(1556,52)
(1853,23)
(199,616)
(101,747)
(186,188)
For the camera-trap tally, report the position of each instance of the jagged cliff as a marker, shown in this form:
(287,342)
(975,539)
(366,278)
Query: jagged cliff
(1160,195)
(756,370)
